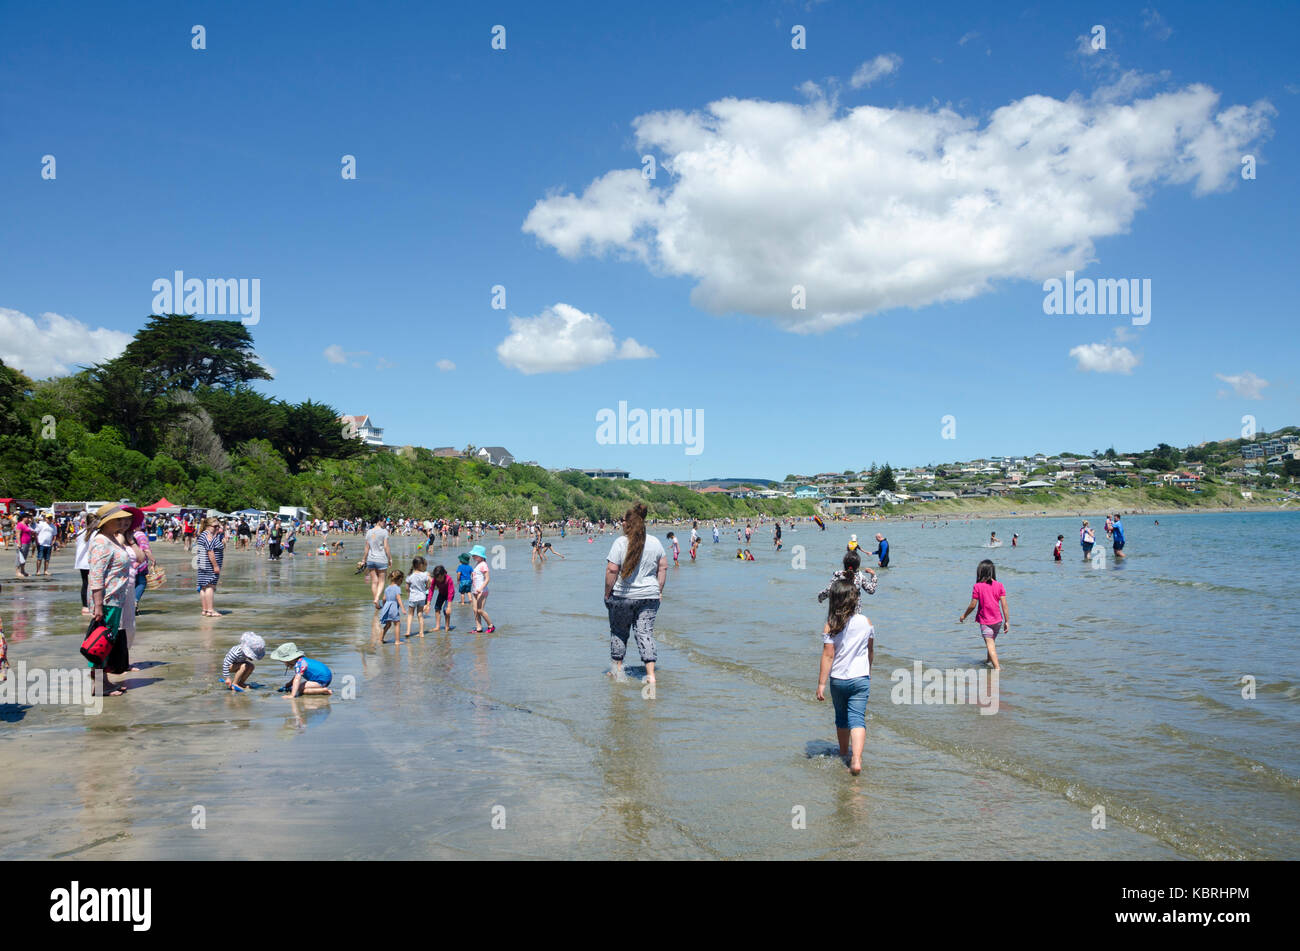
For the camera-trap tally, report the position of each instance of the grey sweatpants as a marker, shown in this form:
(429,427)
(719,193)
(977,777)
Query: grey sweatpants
(636,617)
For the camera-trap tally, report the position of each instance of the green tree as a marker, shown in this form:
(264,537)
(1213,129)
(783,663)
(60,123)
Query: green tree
(188,352)
(312,431)
(884,480)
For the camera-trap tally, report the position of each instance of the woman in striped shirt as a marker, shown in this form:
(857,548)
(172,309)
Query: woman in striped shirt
(211,551)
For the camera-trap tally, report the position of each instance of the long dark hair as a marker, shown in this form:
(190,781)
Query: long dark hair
(852,562)
(634,529)
(844,604)
(985,572)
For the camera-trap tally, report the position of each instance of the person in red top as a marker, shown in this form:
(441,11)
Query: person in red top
(444,590)
(1056,552)
(24,534)
(991,598)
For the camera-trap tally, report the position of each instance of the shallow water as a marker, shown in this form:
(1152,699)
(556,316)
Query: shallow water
(1121,689)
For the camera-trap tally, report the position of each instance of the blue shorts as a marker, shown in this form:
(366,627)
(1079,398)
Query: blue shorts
(42,552)
(375,566)
(1087,547)
(1119,546)
(850,700)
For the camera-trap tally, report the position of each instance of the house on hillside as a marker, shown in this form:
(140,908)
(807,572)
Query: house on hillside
(363,428)
(448,452)
(495,456)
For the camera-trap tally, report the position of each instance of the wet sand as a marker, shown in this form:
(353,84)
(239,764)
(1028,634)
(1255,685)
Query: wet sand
(515,745)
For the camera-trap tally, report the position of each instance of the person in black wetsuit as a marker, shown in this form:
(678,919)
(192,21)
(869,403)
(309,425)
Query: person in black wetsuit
(882,550)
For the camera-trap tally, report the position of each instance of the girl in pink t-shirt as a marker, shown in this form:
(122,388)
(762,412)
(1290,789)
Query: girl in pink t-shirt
(990,598)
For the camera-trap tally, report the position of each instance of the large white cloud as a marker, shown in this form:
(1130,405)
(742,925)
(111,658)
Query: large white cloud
(877,208)
(563,338)
(53,345)
(1104,358)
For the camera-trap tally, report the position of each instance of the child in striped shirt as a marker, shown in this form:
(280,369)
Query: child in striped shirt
(238,665)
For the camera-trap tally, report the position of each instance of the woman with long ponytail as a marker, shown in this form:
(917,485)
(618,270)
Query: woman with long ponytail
(635,572)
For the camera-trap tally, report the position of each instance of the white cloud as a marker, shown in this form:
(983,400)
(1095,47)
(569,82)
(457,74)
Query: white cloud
(870,71)
(54,345)
(872,209)
(336,354)
(1103,358)
(967,37)
(445,366)
(563,338)
(1246,385)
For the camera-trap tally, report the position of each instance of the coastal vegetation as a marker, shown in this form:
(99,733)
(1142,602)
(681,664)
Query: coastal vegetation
(177,416)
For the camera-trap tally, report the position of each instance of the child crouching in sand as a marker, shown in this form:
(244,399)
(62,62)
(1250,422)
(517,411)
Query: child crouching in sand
(239,662)
(310,677)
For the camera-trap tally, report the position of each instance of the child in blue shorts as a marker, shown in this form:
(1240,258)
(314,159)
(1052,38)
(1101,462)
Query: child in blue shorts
(310,677)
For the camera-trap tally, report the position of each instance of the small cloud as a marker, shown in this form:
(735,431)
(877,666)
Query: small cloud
(563,338)
(972,35)
(1292,88)
(445,366)
(870,71)
(1246,385)
(336,354)
(56,345)
(384,364)
(1155,24)
(1103,358)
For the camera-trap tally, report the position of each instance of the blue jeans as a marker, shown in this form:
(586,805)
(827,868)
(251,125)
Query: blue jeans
(850,700)
(141,583)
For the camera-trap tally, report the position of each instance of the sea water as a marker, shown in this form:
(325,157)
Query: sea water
(1147,708)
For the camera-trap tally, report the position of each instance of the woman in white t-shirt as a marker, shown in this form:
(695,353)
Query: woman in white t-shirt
(849,646)
(378,558)
(635,572)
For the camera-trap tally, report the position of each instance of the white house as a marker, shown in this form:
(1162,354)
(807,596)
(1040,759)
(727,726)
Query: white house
(363,428)
(495,456)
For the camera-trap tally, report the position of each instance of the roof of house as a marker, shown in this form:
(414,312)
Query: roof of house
(359,420)
(497,451)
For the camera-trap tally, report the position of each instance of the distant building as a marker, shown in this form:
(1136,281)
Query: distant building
(495,456)
(606,473)
(807,492)
(448,452)
(363,428)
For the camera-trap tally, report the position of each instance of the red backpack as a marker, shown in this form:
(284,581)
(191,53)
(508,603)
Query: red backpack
(96,647)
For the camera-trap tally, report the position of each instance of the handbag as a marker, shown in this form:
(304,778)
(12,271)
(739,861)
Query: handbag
(96,647)
(156,578)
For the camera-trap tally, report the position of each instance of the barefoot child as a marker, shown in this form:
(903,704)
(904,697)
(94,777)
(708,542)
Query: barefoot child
(991,598)
(239,660)
(444,589)
(390,615)
(417,583)
(1056,552)
(464,578)
(479,590)
(676,548)
(848,650)
(310,677)
(4,653)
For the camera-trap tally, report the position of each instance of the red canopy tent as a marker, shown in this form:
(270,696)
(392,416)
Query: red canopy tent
(160,504)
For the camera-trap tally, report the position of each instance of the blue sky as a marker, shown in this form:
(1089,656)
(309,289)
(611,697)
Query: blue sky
(924,299)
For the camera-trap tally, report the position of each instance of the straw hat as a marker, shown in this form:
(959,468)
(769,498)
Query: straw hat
(112,510)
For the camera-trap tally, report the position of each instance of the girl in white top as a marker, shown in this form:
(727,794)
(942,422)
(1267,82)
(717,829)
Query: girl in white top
(849,647)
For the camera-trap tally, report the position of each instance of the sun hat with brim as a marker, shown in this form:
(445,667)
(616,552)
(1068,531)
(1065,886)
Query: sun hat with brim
(253,645)
(478,551)
(464,558)
(112,510)
(287,653)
